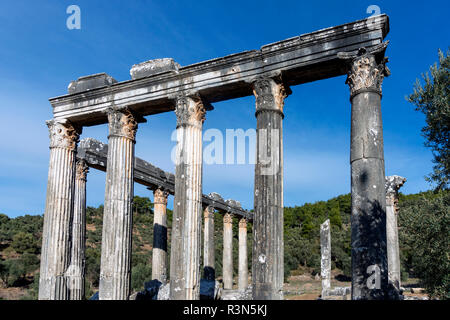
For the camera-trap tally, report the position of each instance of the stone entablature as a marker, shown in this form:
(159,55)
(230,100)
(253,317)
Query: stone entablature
(95,154)
(301,59)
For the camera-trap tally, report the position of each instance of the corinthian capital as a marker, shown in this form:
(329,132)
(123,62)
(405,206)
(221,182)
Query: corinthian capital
(365,73)
(160,196)
(243,223)
(269,94)
(227,218)
(81,170)
(63,134)
(208,212)
(189,110)
(122,123)
(392,185)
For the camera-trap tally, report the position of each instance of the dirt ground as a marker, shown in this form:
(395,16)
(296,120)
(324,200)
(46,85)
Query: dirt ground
(308,287)
(12,293)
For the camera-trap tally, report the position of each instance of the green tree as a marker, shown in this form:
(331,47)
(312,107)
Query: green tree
(139,275)
(424,226)
(4,272)
(24,242)
(433,99)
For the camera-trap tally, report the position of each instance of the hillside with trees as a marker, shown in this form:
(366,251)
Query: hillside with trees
(424,235)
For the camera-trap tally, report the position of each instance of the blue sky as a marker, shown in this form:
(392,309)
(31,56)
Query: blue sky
(39,56)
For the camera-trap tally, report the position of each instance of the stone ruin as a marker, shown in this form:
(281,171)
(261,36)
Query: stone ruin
(355,49)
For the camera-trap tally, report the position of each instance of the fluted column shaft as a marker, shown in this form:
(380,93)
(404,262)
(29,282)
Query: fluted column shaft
(368,219)
(268,247)
(55,254)
(115,266)
(227,262)
(186,227)
(159,251)
(209,269)
(243,260)
(76,271)
(325,261)
(393,184)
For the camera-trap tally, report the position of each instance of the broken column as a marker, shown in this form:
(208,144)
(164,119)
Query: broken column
(243,264)
(159,251)
(76,270)
(267,259)
(325,262)
(227,262)
(393,184)
(208,245)
(186,226)
(115,266)
(368,222)
(55,254)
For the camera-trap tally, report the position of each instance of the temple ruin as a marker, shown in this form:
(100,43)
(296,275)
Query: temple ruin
(356,49)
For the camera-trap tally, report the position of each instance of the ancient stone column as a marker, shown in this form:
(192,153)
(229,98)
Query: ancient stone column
(186,226)
(325,262)
(267,259)
(159,251)
(393,184)
(115,265)
(209,270)
(55,254)
(76,271)
(368,221)
(227,262)
(243,264)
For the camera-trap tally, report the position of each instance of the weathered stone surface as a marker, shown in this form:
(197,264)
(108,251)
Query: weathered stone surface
(368,222)
(415,298)
(90,82)
(237,294)
(55,254)
(227,258)
(215,196)
(153,67)
(243,257)
(209,269)
(393,184)
(268,247)
(305,58)
(340,291)
(233,203)
(115,264)
(159,251)
(75,272)
(164,292)
(325,262)
(187,213)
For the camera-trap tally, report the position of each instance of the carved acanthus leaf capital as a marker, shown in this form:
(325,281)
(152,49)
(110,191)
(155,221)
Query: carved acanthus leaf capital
(365,73)
(243,223)
(160,196)
(392,185)
(189,110)
(269,94)
(227,218)
(63,134)
(81,170)
(208,213)
(122,123)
